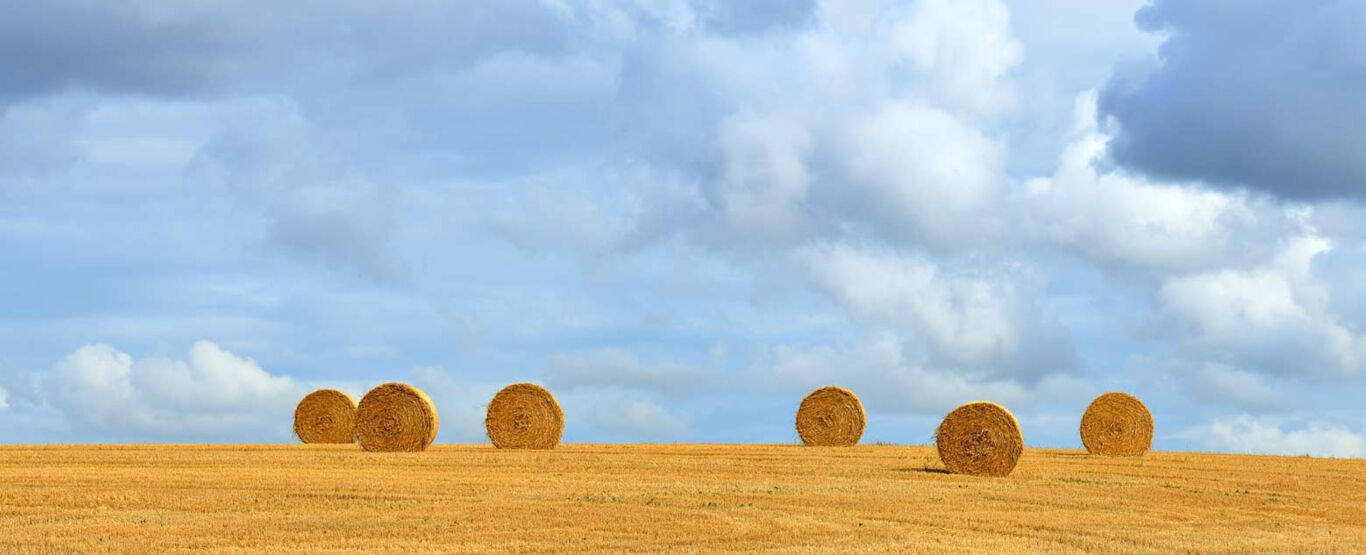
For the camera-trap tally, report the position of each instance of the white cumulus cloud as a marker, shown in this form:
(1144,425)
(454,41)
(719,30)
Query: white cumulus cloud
(984,322)
(211,394)
(1118,219)
(922,174)
(1276,318)
(1246,434)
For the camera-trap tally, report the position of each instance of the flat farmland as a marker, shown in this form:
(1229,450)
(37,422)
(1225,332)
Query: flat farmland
(656,497)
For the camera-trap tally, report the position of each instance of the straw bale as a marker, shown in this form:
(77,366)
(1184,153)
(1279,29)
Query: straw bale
(831,416)
(524,416)
(1117,424)
(396,417)
(980,439)
(325,416)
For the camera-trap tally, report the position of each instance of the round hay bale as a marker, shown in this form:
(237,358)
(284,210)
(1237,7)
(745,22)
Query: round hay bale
(979,439)
(396,417)
(831,416)
(1117,424)
(325,416)
(524,416)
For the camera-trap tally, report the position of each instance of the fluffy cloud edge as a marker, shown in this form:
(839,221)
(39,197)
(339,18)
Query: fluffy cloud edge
(1264,436)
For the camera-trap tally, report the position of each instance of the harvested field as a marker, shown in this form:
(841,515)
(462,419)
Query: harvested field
(659,497)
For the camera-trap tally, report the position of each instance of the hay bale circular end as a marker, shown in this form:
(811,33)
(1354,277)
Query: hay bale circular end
(325,416)
(396,417)
(831,416)
(980,439)
(1117,424)
(524,416)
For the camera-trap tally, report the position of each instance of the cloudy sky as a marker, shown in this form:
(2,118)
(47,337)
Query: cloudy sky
(682,216)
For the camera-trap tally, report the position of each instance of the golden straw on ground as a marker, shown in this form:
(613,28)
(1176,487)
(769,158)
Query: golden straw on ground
(524,416)
(325,416)
(1117,424)
(831,416)
(396,417)
(980,439)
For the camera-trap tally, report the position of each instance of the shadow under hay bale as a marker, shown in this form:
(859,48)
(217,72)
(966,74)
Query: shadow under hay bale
(831,416)
(325,416)
(524,416)
(1117,424)
(396,417)
(979,439)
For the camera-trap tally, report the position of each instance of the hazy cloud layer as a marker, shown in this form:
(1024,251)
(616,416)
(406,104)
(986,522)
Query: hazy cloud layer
(638,421)
(619,368)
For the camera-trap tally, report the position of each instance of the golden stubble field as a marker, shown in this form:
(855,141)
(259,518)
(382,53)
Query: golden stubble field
(158,498)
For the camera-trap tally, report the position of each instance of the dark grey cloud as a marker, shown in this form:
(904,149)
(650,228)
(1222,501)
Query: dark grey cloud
(1264,95)
(146,46)
(176,49)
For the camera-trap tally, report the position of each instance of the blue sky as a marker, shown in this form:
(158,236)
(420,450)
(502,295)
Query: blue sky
(682,216)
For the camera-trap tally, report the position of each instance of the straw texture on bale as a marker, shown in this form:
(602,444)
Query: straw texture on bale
(979,439)
(1117,424)
(524,416)
(831,416)
(396,417)
(325,416)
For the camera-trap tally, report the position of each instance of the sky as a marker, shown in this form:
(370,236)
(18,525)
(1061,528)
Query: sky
(681,216)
